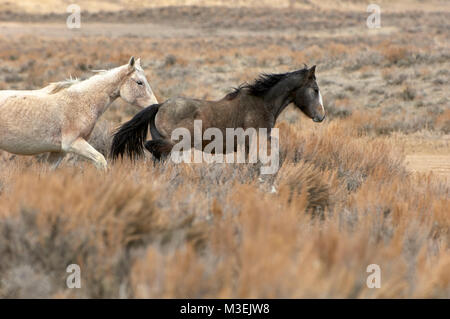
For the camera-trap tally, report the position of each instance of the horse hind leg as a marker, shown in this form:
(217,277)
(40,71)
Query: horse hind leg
(160,149)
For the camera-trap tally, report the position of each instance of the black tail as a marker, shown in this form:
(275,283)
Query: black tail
(131,136)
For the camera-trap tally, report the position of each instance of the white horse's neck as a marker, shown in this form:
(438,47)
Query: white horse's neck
(108,82)
(101,89)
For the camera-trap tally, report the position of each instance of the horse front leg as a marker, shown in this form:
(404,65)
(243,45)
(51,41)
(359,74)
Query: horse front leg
(81,147)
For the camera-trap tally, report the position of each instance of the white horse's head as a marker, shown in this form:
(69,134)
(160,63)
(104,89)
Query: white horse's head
(135,88)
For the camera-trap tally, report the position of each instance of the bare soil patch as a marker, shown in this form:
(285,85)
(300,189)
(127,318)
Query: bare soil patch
(438,164)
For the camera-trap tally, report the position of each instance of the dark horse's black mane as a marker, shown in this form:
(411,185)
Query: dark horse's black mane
(262,84)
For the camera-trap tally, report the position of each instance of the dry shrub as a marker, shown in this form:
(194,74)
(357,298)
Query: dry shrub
(268,246)
(408,93)
(271,250)
(395,118)
(340,147)
(205,230)
(53,219)
(338,50)
(306,180)
(443,122)
(388,73)
(314,53)
(393,53)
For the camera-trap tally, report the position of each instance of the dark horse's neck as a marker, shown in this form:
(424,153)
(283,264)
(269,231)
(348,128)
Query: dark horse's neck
(278,97)
(275,90)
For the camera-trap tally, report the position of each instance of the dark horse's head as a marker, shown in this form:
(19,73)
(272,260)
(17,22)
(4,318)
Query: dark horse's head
(299,87)
(308,98)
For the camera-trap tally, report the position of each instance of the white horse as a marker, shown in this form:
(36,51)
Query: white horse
(60,118)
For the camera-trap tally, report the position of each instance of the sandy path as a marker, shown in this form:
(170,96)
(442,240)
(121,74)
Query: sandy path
(439,164)
(153,30)
(60,30)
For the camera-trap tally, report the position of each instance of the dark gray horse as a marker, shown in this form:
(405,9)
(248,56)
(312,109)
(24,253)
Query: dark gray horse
(256,105)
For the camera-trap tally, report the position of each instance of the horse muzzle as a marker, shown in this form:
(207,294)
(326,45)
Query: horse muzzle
(318,119)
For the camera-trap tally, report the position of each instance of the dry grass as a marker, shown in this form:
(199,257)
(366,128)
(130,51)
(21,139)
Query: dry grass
(344,201)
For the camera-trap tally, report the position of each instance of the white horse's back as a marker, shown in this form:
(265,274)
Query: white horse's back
(5,94)
(22,114)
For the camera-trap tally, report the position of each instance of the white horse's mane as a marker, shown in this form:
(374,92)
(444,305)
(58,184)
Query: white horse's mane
(55,87)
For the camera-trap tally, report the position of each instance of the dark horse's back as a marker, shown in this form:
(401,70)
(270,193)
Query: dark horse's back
(242,111)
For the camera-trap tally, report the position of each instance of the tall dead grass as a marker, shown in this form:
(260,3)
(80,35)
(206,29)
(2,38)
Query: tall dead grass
(343,201)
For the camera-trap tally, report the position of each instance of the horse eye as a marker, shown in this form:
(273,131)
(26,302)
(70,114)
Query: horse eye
(316,90)
(139,82)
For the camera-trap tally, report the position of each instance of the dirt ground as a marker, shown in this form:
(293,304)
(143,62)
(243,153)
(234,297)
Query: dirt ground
(427,153)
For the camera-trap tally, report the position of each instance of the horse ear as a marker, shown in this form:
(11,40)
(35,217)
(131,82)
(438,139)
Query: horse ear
(138,62)
(131,64)
(312,72)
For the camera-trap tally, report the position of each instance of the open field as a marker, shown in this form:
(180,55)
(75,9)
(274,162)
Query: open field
(370,185)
